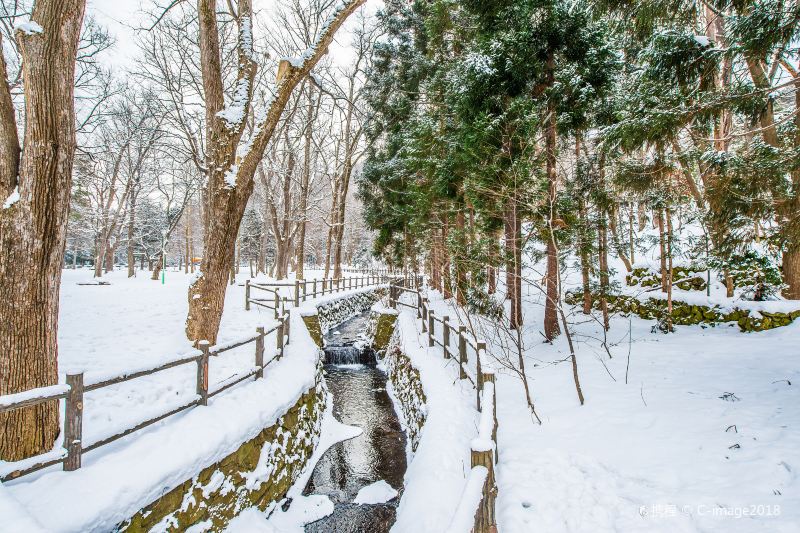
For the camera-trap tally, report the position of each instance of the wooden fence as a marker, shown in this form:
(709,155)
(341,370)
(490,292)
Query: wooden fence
(302,289)
(480,490)
(74,389)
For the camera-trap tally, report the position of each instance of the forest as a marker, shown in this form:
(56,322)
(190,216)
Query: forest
(582,216)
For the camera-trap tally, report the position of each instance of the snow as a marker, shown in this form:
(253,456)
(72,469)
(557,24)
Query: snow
(378,492)
(230,176)
(295,62)
(702,40)
(234,113)
(41,392)
(483,442)
(12,198)
(302,509)
(136,323)
(464,517)
(663,452)
(29,27)
(246,37)
(714,300)
(15,517)
(436,474)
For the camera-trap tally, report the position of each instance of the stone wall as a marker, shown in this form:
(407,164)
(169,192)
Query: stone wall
(380,328)
(334,311)
(686,278)
(407,390)
(686,314)
(258,474)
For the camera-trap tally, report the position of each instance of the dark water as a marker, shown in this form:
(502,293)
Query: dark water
(379,453)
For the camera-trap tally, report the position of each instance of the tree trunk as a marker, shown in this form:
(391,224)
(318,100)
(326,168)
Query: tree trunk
(612,219)
(602,250)
(109,259)
(461,275)
(447,283)
(642,217)
(669,276)
(339,228)
(494,261)
(662,248)
(508,228)
(301,232)
(158,263)
(436,267)
(187,238)
(583,247)
(551,328)
(33,229)
(131,230)
(516,275)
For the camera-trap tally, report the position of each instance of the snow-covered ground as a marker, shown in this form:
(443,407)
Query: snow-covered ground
(704,436)
(131,324)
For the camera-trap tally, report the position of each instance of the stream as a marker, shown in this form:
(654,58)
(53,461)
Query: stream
(379,453)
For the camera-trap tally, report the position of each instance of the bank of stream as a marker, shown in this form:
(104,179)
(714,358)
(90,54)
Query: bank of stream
(360,399)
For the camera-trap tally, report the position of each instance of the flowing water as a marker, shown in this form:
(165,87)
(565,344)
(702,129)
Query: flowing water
(379,453)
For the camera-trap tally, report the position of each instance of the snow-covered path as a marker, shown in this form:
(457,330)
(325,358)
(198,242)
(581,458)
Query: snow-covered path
(435,477)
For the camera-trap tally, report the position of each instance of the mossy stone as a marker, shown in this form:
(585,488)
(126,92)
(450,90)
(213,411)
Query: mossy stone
(314,329)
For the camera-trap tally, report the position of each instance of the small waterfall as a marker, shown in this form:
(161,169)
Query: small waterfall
(348,355)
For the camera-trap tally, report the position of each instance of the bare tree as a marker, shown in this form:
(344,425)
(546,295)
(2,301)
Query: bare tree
(36,182)
(230,171)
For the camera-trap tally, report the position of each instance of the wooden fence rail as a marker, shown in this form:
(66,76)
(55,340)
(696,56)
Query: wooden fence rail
(75,388)
(480,491)
(302,289)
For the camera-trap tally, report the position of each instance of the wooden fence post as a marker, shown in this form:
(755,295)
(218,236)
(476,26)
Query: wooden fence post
(260,352)
(488,377)
(247,295)
(73,422)
(279,338)
(462,352)
(297,293)
(315,287)
(305,289)
(431,323)
(287,323)
(419,307)
(424,315)
(202,372)
(446,336)
(277,303)
(485,521)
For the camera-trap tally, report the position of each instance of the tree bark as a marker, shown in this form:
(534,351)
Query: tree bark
(304,184)
(447,282)
(461,275)
(33,229)
(516,277)
(612,219)
(662,249)
(551,328)
(131,231)
(583,247)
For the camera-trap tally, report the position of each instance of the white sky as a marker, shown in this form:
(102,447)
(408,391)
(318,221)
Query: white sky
(123,17)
